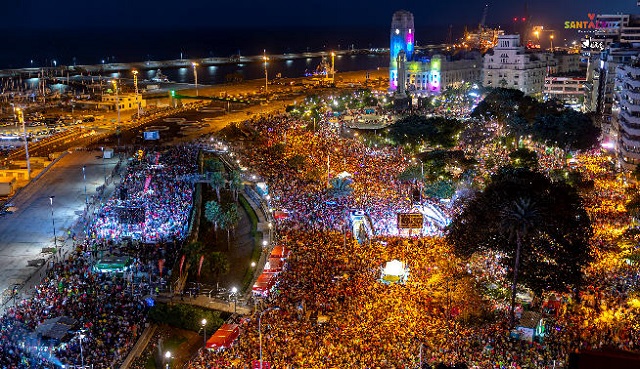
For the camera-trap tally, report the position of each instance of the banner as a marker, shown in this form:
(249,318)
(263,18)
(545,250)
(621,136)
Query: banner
(160,265)
(181,264)
(200,266)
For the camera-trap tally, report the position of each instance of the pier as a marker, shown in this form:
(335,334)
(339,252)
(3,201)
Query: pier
(178,63)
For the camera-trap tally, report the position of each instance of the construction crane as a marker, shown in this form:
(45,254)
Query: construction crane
(484,16)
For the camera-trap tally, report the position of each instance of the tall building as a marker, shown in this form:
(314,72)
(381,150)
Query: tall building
(625,131)
(425,73)
(509,65)
(402,39)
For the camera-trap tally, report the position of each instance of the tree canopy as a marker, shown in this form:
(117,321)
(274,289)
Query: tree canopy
(555,244)
(546,122)
(415,130)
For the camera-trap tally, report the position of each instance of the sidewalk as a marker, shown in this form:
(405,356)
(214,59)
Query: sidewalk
(207,303)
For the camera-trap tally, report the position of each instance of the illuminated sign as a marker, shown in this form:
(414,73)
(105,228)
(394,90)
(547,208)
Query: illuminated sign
(590,23)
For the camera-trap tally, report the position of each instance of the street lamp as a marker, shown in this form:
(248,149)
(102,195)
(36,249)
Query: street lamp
(84,180)
(104,167)
(167,357)
(234,292)
(260,329)
(135,85)
(20,115)
(551,37)
(266,79)
(333,67)
(115,87)
(195,75)
(53,223)
(204,327)
(80,338)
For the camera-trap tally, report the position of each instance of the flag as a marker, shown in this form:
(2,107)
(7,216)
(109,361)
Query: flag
(181,263)
(160,265)
(200,266)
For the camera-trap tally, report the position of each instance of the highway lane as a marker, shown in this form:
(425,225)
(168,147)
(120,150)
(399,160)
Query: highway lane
(29,229)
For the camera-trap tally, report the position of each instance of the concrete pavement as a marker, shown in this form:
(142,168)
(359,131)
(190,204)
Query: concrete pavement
(25,233)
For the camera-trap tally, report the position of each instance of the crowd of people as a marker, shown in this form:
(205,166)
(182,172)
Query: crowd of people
(154,198)
(109,308)
(332,308)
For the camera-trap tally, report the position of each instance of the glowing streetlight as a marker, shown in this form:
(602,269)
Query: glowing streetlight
(53,223)
(135,85)
(167,356)
(204,327)
(115,88)
(80,338)
(266,79)
(333,67)
(195,75)
(84,180)
(234,292)
(551,38)
(20,115)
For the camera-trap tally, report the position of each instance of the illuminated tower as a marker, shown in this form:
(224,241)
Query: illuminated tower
(402,39)
(401,63)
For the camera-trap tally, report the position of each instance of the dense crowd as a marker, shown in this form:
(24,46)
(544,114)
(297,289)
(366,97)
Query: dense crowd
(153,199)
(438,315)
(108,307)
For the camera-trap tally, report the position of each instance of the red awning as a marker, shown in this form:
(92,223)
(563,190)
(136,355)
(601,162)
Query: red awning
(274,265)
(280,252)
(224,337)
(280,214)
(265,282)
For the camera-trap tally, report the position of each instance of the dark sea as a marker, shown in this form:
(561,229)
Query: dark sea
(37,48)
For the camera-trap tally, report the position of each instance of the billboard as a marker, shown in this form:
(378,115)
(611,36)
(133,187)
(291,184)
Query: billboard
(410,220)
(151,135)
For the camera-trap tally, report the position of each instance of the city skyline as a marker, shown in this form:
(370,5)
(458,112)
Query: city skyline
(40,14)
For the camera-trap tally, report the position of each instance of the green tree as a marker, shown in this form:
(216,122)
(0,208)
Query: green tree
(213,165)
(340,187)
(217,182)
(296,162)
(500,103)
(524,158)
(568,129)
(546,220)
(633,206)
(192,252)
(218,264)
(416,130)
(636,172)
(229,220)
(518,219)
(235,183)
(440,189)
(213,213)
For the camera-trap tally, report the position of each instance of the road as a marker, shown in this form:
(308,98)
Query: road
(29,229)
(25,233)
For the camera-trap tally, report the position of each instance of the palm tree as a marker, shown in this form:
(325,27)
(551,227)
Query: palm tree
(213,213)
(518,220)
(229,220)
(546,221)
(192,252)
(341,187)
(217,181)
(235,184)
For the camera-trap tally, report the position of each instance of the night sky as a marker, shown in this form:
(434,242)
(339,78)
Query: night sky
(72,14)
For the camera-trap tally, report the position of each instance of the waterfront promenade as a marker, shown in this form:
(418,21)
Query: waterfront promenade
(181,63)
